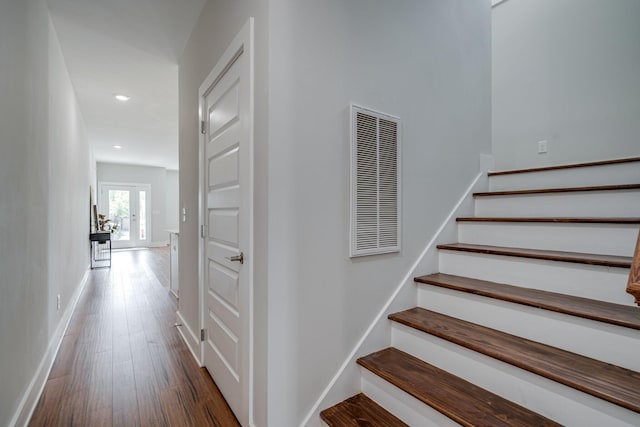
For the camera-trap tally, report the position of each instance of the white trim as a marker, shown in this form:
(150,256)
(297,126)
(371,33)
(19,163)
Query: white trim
(495,3)
(384,311)
(250,52)
(39,380)
(126,184)
(190,334)
(242,44)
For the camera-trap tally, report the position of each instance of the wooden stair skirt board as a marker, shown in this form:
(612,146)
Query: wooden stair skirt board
(458,399)
(575,257)
(359,411)
(611,383)
(568,166)
(615,314)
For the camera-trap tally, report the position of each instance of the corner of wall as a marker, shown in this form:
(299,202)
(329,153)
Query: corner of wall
(487,162)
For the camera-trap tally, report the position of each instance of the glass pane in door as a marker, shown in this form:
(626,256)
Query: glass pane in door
(119,207)
(142,210)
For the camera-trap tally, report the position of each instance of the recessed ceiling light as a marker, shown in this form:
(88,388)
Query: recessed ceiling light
(117,147)
(121,97)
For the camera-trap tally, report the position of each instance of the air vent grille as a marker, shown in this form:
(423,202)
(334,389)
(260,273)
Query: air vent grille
(375,201)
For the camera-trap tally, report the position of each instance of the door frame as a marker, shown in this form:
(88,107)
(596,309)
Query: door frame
(242,44)
(140,186)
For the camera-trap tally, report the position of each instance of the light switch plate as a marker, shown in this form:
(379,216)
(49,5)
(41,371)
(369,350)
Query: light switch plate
(542,147)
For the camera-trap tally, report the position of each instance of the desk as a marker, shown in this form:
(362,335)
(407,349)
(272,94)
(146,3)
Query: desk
(100,247)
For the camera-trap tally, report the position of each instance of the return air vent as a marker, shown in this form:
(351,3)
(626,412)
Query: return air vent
(375,189)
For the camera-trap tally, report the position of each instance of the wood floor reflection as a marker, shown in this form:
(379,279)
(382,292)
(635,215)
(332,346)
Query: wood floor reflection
(122,362)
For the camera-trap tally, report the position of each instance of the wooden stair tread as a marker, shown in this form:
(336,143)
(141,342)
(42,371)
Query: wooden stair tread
(575,257)
(567,166)
(359,411)
(458,399)
(615,384)
(556,220)
(616,314)
(558,190)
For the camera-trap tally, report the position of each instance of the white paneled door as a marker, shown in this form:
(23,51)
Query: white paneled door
(127,209)
(226,250)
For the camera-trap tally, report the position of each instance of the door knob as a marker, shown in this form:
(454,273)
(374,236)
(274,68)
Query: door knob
(239,258)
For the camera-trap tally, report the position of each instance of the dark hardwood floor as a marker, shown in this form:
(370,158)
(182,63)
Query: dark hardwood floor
(122,362)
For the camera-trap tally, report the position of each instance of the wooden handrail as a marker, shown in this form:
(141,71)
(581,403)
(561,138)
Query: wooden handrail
(633,286)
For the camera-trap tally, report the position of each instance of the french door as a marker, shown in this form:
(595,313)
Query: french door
(127,208)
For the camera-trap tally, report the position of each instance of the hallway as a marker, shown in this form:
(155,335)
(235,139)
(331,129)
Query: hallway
(122,362)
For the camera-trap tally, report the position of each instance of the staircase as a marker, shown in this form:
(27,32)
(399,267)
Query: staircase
(528,322)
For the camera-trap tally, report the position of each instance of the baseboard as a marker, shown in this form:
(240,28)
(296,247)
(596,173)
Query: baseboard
(160,244)
(33,392)
(189,337)
(346,381)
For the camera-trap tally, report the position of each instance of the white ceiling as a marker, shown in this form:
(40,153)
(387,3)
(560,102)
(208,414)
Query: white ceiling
(130,47)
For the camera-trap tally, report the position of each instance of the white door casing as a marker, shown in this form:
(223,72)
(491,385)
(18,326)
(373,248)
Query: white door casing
(129,231)
(226,195)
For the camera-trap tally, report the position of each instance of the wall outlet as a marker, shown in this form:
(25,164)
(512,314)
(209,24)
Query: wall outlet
(542,147)
(58,302)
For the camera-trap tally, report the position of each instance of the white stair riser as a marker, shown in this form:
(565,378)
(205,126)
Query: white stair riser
(404,406)
(625,173)
(588,281)
(562,331)
(606,239)
(549,398)
(572,204)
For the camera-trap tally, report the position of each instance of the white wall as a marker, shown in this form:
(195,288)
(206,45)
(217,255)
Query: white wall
(44,198)
(567,72)
(164,195)
(427,62)
(68,210)
(172,200)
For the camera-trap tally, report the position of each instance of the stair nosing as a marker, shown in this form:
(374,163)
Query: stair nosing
(579,382)
(567,166)
(457,382)
(546,255)
(620,187)
(553,220)
(555,304)
(361,399)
